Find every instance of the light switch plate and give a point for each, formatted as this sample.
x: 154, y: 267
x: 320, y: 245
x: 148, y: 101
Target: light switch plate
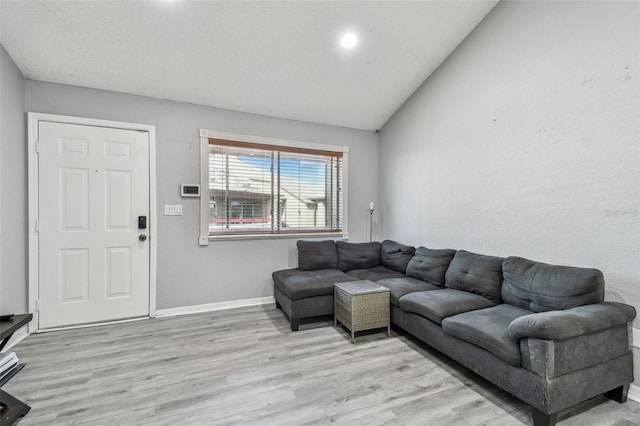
x: 173, y: 209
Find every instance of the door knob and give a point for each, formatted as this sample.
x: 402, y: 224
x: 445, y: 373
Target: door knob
x: 142, y: 237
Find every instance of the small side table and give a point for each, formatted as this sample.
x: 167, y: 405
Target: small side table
x: 11, y: 408
x: 361, y: 305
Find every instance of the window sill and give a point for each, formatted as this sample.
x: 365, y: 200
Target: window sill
x: 341, y: 235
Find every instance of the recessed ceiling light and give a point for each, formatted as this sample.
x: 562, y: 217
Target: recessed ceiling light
x: 349, y: 40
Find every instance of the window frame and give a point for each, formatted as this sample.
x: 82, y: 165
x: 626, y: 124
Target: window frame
x: 205, y: 135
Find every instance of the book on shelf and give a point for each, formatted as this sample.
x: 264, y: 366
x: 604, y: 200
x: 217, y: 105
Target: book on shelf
x: 7, y: 357
x: 8, y: 361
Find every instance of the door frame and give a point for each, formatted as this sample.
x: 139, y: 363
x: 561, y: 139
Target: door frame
x: 34, y: 118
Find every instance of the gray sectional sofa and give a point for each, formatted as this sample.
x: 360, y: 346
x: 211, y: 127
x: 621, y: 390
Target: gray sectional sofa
x: 541, y: 332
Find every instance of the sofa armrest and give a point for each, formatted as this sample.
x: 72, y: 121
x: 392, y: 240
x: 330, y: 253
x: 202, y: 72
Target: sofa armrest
x: 562, y: 325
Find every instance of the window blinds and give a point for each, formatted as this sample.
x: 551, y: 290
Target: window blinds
x: 269, y: 189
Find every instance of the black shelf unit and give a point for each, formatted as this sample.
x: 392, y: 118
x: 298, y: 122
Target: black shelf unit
x: 11, y: 408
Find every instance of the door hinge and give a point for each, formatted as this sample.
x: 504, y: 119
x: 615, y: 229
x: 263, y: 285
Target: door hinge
x: 38, y: 305
x: 37, y: 226
x: 37, y: 147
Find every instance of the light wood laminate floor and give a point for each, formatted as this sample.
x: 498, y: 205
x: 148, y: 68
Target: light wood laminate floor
x: 244, y: 366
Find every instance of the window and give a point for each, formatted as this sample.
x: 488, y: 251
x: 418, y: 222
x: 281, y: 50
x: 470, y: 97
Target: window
x: 272, y: 187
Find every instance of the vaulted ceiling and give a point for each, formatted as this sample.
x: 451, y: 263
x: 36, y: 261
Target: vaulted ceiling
x: 274, y: 58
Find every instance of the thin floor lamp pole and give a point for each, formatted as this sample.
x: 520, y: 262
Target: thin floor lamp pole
x: 371, y: 221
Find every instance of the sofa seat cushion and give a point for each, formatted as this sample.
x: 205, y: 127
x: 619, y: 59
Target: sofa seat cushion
x: 374, y: 274
x: 487, y: 328
x: 475, y: 273
x: 405, y: 285
x: 436, y: 305
x: 297, y: 284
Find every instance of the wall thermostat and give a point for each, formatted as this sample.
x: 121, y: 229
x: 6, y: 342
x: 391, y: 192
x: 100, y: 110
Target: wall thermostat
x: 189, y: 190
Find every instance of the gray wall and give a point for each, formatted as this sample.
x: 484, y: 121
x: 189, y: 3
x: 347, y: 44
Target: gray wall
x: 226, y: 270
x: 13, y: 188
x: 526, y: 142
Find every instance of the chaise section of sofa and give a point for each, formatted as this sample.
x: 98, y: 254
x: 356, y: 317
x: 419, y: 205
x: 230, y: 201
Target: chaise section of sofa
x: 307, y: 291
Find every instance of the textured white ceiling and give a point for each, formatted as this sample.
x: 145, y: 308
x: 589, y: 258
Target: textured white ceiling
x: 273, y: 58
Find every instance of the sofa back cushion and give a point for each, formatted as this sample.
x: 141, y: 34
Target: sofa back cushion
x: 475, y: 273
x: 430, y: 265
x: 541, y: 287
x: 314, y: 255
x: 395, y: 256
x: 358, y: 255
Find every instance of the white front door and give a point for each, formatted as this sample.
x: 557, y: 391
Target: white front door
x: 93, y: 187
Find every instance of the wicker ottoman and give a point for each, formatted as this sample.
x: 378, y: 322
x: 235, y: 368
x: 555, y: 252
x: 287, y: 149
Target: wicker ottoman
x: 361, y: 305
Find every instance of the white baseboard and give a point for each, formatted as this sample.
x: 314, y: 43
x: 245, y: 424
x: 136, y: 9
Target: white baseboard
x: 209, y: 307
x: 634, y: 393
x: 17, y: 337
x: 634, y: 390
